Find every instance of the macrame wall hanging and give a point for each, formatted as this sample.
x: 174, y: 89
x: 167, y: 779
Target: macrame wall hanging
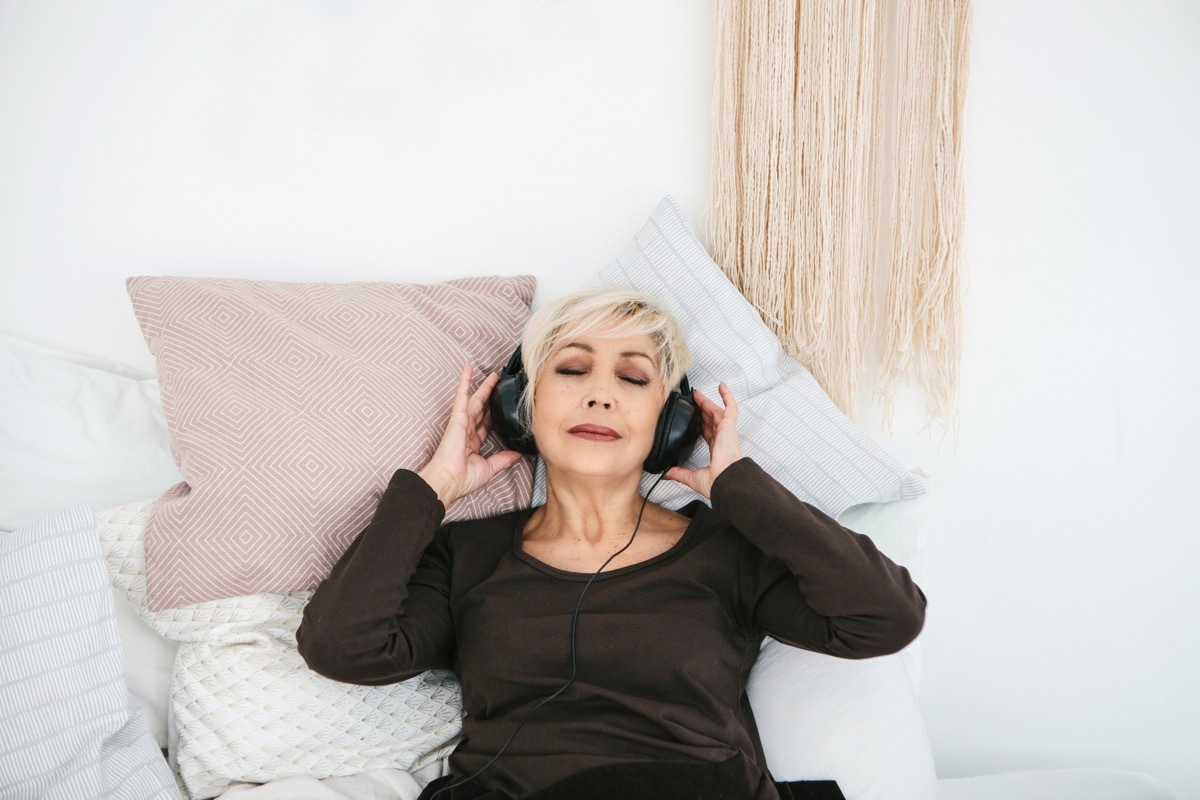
x: 837, y: 186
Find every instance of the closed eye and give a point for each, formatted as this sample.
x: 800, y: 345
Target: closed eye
x: 626, y: 378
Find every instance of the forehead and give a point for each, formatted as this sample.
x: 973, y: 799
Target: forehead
x: 640, y: 347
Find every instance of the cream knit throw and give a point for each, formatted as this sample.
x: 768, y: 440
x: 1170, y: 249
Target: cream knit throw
x: 815, y: 104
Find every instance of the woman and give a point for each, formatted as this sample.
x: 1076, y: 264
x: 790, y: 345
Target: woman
x: 612, y: 636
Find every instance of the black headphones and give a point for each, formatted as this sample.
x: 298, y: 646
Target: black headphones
x: 677, y: 430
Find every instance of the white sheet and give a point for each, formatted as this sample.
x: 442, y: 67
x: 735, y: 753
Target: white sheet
x: 1060, y: 784
x: 377, y: 784
x: 1054, y: 784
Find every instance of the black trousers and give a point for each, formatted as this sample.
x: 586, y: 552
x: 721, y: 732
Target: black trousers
x: 654, y: 781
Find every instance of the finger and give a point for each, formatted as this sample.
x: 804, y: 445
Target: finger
x: 681, y: 475
x: 462, y: 392
x: 727, y: 396
x: 502, y: 460
x: 710, y: 418
x: 486, y: 420
x: 674, y: 474
x: 718, y: 410
x: 482, y: 430
x: 475, y: 438
x: 484, y: 389
x: 458, y: 425
x: 709, y: 411
x: 477, y: 397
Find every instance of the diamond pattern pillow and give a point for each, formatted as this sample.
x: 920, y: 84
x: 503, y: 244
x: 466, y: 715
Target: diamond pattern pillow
x: 289, y: 405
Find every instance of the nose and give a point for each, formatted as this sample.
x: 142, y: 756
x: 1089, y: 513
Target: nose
x: 599, y: 391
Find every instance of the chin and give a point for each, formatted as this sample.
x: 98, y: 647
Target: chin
x: 596, y: 465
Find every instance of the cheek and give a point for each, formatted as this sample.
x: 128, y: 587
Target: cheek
x: 648, y: 414
x: 547, y: 406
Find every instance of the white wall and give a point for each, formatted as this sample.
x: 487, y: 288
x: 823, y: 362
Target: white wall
x: 333, y: 141
x: 1066, y: 548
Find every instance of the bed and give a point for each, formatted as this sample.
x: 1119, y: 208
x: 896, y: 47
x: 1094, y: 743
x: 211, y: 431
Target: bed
x: 150, y: 603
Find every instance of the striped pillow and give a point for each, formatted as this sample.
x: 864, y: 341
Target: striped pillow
x: 786, y: 423
x: 289, y: 407
x: 68, y: 726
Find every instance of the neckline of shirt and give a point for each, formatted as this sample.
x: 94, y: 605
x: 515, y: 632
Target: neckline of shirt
x: 674, y: 550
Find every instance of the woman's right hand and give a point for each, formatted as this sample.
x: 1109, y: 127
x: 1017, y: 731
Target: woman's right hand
x: 457, y: 468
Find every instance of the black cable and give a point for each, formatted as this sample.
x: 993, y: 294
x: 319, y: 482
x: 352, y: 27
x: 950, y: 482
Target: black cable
x: 574, y: 626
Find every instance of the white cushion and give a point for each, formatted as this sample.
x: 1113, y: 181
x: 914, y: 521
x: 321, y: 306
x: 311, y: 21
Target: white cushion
x: 68, y: 727
x: 76, y: 430
x: 244, y: 708
x: 856, y: 722
x: 898, y: 530
x: 148, y: 655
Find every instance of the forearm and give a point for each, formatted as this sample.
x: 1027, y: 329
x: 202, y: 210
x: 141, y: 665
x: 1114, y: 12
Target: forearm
x: 375, y: 618
x: 839, y: 594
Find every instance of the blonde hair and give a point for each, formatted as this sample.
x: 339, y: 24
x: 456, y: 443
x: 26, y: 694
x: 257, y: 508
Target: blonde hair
x: 606, y: 311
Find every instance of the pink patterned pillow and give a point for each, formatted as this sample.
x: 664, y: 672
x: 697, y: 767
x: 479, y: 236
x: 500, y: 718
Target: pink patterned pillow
x: 290, y: 405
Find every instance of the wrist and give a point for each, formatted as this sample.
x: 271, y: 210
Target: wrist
x: 724, y: 464
x: 439, y: 485
x: 725, y: 470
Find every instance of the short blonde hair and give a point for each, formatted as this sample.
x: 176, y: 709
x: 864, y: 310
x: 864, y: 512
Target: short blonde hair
x: 617, y: 312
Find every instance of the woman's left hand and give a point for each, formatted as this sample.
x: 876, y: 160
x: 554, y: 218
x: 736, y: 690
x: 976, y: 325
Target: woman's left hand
x: 718, y: 426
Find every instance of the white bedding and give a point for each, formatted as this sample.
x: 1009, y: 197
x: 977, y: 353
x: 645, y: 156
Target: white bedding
x: 376, y: 784
x: 1055, y: 784
x: 242, y: 703
x: 842, y: 733
x: 884, y: 730
x: 1066, y: 784
x: 864, y: 720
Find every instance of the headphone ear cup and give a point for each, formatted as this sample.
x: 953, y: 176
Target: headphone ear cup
x: 506, y: 420
x: 677, y: 430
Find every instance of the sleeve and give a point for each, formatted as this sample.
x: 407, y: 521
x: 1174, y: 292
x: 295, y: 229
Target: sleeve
x: 383, y: 614
x: 808, y: 581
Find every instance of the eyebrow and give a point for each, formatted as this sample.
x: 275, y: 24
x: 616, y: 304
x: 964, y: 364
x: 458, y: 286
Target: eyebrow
x: 625, y: 354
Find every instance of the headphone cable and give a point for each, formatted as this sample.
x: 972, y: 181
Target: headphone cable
x: 574, y: 665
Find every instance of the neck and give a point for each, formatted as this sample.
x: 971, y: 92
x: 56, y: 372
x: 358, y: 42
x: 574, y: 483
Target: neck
x: 595, y: 510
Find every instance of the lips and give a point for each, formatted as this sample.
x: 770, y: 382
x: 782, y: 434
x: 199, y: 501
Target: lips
x: 597, y: 433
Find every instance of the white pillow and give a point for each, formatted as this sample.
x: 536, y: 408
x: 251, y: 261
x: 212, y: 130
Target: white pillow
x: 68, y: 727
x: 244, y: 708
x: 149, y: 656
x: 898, y: 530
x: 856, y: 722
x: 74, y: 429
x: 787, y: 423
x: 853, y: 721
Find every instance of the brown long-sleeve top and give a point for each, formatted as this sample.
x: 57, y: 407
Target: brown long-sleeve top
x: 664, y: 646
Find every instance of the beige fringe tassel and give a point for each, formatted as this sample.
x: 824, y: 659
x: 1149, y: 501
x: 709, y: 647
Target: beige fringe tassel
x: 798, y: 155
x: 923, y: 309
